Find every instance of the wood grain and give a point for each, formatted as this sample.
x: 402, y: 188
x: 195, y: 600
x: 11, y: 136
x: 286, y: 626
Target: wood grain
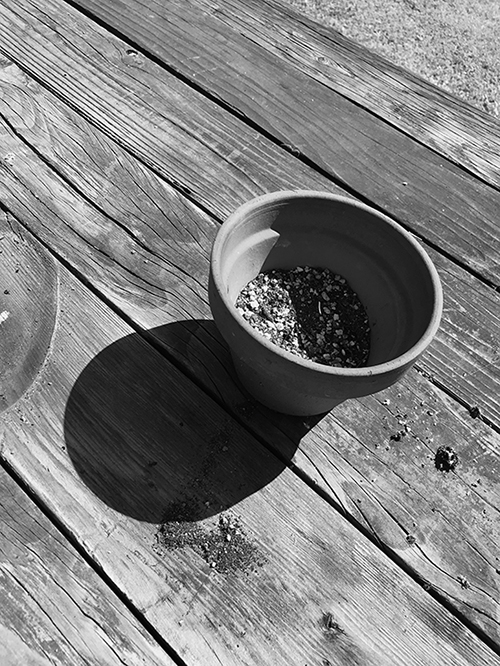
x: 55, y: 608
x: 132, y: 244
x: 164, y: 241
x: 390, y: 169
x: 256, y: 168
x: 183, y: 136
x: 112, y: 434
x: 453, y: 128
x: 28, y: 298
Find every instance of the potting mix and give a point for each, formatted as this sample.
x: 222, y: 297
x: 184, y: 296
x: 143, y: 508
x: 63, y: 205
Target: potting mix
x: 308, y: 311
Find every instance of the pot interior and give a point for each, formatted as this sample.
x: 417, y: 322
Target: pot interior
x: 390, y: 273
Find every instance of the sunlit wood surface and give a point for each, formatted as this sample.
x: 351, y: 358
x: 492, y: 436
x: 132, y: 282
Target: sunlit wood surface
x: 130, y: 129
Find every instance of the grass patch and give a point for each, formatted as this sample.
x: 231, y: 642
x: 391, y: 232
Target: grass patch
x: 451, y: 43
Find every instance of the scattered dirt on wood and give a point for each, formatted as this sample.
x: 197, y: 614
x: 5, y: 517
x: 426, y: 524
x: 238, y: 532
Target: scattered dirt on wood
x: 310, y: 312
x: 446, y: 459
x: 224, y: 545
x: 179, y: 530
x: 226, y: 548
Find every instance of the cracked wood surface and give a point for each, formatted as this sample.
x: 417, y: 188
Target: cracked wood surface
x: 28, y: 298
x: 404, y: 177
x: 453, y: 128
x: 143, y: 249
x: 181, y: 131
x: 111, y: 437
x: 55, y: 609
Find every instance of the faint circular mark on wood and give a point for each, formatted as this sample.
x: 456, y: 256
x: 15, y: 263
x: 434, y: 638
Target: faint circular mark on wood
x: 28, y: 307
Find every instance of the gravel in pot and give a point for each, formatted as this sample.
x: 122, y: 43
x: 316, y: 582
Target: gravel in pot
x: 308, y: 311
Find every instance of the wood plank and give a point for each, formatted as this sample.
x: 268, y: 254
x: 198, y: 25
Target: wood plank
x: 386, y: 167
x: 136, y: 219
x: 27, y: 308
x: 55, y: 608
x: 452, y: 127
x: 111, y: 437
x: 465, y: 357
x: 181, y: 135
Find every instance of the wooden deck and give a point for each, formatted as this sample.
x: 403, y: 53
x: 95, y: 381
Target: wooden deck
x: 152, y: 513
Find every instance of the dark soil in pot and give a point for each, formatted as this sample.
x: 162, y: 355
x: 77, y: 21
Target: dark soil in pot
x: 311, y: 312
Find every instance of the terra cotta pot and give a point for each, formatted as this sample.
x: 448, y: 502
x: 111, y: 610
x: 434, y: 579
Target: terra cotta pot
x: 388, y: 269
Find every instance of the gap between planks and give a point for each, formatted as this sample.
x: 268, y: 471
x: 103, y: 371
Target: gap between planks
x: 44, y: 462
x: 100, y: 294
x: 160, y: 44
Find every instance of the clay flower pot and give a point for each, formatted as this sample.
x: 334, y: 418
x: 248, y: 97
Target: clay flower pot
x: 391, y: 273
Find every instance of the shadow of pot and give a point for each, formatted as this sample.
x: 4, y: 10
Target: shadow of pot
x: 391, y: 273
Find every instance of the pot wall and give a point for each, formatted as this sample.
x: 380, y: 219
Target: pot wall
x: 391, y: 273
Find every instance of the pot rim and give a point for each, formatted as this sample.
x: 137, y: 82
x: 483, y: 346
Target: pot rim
x: 403, y: 360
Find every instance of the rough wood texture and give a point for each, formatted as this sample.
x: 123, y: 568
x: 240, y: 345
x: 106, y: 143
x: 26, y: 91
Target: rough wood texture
x: 453, y: 128
x: 179, y: 133
x: 140, y: 255
x: 28, y: 295
x: 111, y: 436
x: 135, y: 246
x: 55, y: 608
x: 133, y: 422
x: 408, y: 180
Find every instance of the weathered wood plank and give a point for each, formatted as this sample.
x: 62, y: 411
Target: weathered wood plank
x: 256, y: 169
x: 111, y: 437
x: 409, y: 181
x: 27, y: 317
x: 452, y: 127
x: 173, y: 129
x: 144, y: 235
x: 377, y: 457
x: 140, y: 255
x: 55, y: 608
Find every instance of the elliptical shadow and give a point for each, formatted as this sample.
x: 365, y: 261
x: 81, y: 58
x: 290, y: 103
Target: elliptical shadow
x: 152, y: 445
